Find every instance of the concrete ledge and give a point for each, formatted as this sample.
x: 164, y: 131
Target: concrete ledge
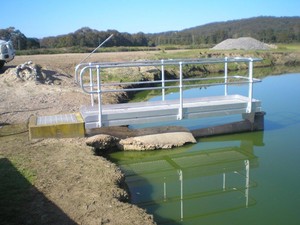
x: 57, y: 130
x: 234, y: 127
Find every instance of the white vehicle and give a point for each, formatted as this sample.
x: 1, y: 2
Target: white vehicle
x: 7, y: 52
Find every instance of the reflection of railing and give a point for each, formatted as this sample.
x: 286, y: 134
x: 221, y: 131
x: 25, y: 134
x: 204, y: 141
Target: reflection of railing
x: 224, y: 186
x: 184, y: 182
x: 88, y: 75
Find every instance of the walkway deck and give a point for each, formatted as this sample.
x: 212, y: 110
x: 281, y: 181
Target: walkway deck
x: 168, y: 110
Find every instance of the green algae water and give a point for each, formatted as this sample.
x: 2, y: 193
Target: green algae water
x: 249, y: 178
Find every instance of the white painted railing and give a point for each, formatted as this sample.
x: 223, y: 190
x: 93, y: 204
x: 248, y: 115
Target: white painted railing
x: 88, y: 75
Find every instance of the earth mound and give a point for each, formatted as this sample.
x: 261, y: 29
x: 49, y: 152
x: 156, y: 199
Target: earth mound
x: 30, y: 71
x: 245, y: 43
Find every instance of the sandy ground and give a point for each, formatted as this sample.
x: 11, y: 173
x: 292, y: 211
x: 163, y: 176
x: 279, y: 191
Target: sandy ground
x: 19, y: 100
x: 70, y: 185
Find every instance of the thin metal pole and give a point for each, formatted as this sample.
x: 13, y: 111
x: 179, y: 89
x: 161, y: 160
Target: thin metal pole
x: 96, y: 48
x: 180, y: 93
x: 163, y: 79
x: 91, y: 84
x: 99, y: 97
x: 226, y: 76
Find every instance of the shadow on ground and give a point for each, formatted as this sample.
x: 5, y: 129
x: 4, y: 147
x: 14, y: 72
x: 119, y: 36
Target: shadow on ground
x: 16, y: 200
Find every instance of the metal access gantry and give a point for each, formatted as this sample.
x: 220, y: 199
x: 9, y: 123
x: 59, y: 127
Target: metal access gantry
x: 88, y: 76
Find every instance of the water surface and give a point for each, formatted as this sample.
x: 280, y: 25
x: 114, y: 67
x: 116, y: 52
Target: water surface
x: 250, y: 178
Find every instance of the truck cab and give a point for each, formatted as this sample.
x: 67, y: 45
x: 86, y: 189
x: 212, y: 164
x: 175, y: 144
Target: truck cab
x: 7, y: 52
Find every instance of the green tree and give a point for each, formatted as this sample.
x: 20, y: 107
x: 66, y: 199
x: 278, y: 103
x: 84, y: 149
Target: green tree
x: 18, y: 39
x: 32, y: 43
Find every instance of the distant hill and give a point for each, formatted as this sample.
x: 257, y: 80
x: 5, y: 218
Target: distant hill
x: 266, y: 29
x: 248, y: 26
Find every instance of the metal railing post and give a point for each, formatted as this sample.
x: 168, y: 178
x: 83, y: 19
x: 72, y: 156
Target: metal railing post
x: 180, y: 113
x: 91, y: 84
x: 163, y: 79
x: 76, y: 73
x: 226, y: 76
x: 250, y: 94
x: 99, y: 97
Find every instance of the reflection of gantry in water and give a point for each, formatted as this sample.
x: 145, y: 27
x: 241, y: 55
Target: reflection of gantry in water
x: 193, y: 183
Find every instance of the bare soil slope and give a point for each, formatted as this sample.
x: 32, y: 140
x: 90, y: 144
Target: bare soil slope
x: 20, y: 99
x: 70, y: 184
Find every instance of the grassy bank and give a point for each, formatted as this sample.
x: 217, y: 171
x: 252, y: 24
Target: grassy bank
x: 273, y: 60
x: 162, y: 48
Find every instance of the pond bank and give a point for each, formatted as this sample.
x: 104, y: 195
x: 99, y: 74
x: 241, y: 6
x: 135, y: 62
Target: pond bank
x: 60, y: 181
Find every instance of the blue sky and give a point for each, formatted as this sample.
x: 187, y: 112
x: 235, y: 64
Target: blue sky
x: 43, y: 18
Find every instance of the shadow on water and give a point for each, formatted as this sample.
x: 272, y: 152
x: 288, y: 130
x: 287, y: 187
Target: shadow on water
x: 188, y: 184
x: 282, y: 120
x: 22, y: 203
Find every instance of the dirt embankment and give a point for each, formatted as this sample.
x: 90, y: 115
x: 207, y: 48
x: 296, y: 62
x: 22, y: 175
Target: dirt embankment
x: 69, y: 184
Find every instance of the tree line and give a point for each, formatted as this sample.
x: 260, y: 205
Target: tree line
x: 87, y: 37
x: 265, y: 29
x: 19, y: 40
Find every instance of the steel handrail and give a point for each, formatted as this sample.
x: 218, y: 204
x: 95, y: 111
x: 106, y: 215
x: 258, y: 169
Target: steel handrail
x: 96, y: 88
x: 163, y: 62
x: 165, y: 87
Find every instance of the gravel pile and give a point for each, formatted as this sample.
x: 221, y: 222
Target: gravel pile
x: 246, y: 43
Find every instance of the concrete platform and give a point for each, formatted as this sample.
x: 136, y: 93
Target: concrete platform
x: 56, y: 126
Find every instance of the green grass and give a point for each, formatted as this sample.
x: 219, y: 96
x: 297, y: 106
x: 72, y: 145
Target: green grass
x: 289, y: 47
x: 191, y: 51
x: 79, y: 49
x: 187, y: 53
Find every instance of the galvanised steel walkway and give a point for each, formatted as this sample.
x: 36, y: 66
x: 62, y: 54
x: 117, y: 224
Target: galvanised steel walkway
x: 89, y: 76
